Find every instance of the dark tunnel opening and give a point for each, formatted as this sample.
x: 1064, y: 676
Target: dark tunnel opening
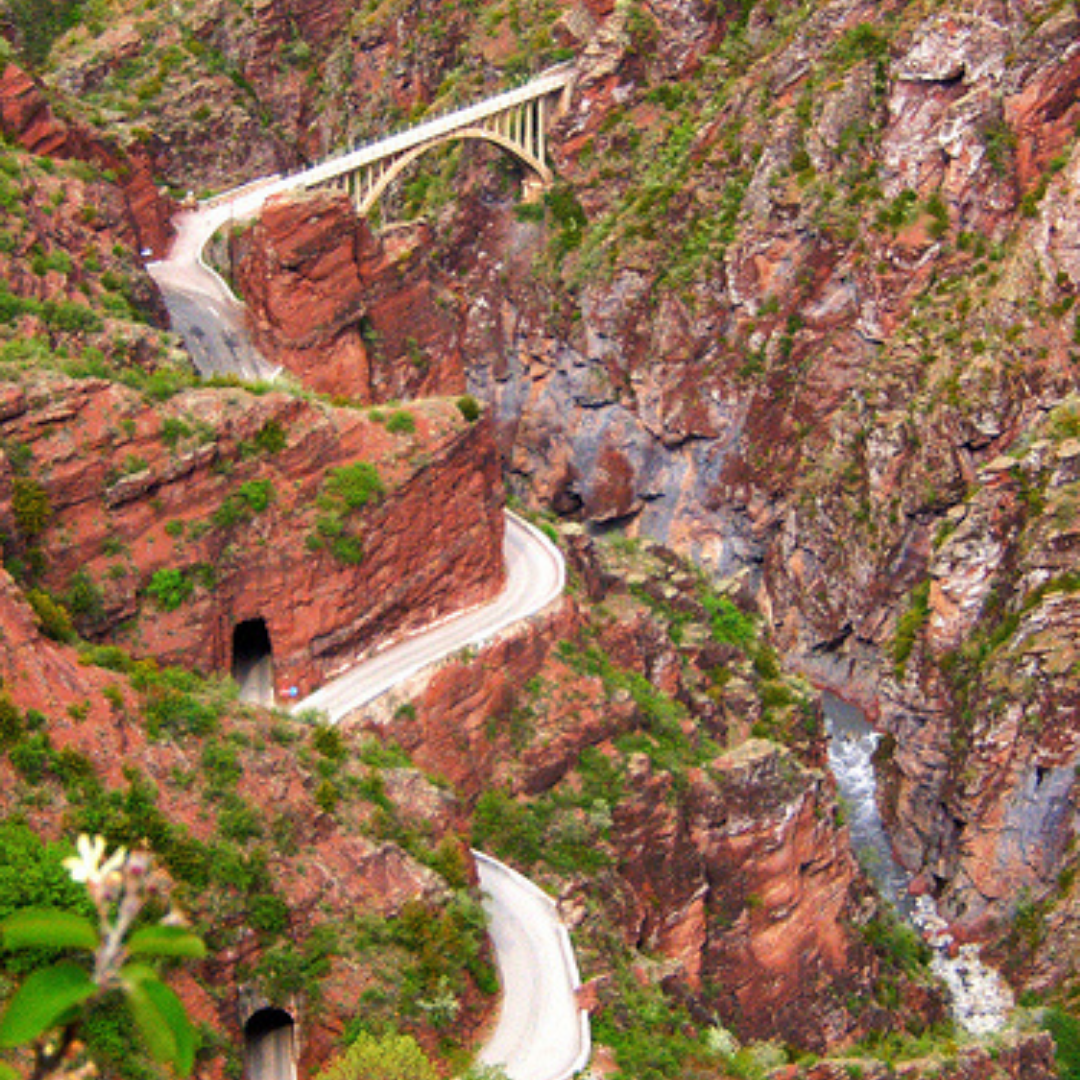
x: 268, y: 1045
x: 253, y: 661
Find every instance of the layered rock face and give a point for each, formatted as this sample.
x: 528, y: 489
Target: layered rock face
x: 185, y: 519
x: 27, y: 120
x: 731, y: 875
x: 753, y: 889
x: 348, y: 313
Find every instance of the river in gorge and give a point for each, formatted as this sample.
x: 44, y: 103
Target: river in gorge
x: 980, y: 999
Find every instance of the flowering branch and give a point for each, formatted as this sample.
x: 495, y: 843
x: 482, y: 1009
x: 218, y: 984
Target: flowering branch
x: 59, y: 996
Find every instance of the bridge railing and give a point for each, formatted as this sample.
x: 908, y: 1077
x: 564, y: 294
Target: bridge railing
x: 247, y: 199
x: 373, y: 150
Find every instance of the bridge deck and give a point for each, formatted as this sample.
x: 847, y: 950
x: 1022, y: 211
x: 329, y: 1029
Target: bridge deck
x: 426, y: 131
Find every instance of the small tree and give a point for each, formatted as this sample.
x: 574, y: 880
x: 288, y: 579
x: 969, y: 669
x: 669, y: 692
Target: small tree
x: 381, y: 1057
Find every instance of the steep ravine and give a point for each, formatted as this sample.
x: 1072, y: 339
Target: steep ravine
x: 818, y: 395
x: 979, y: 998
x: 804, y: 308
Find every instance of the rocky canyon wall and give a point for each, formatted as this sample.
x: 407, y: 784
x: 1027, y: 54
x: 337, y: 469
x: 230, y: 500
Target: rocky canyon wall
x: 180, y: 520
x: 584, y: 746
x: 788, y: 318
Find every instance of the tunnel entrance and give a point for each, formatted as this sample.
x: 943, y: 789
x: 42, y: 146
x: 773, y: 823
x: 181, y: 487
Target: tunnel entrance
x: 253, y: 662
x: 268, y: 1046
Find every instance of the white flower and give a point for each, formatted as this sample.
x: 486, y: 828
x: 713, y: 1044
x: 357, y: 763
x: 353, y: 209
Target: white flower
x: 86, y: 866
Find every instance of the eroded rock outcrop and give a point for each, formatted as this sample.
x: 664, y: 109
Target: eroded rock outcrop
x: 751, y: 886
x: 27, y: 119
x: 303, y: 292
x: 348, y: 312
x: 229, y: 503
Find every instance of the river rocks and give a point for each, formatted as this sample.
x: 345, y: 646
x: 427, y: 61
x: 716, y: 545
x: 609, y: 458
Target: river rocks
x: 979, y: 998
x: 138, y: 493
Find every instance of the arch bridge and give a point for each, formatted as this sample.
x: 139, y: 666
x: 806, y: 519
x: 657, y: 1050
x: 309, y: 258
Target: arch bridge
x: 516, y: 120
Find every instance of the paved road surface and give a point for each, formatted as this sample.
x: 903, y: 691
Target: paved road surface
x: 535, y: 576
x: 541, y: 1033
x: 202, y: 307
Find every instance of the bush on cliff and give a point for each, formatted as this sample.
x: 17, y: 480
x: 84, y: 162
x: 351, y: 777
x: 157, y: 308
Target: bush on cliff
x: 355, y: 485
x: 170, y: 588
x: 469, y: 408
x: 385, y: 1057
x: 1065, y: 1029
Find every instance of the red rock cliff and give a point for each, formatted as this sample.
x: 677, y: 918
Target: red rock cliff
x: 231, y: 492
x: 346, y: 311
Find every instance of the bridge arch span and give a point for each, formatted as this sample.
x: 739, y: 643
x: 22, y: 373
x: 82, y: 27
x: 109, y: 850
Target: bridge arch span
x: 369, y: 196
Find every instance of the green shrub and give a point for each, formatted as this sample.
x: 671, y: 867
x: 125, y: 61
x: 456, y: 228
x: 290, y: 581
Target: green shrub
x: 384, y: 755
x: 258, y: 494
x: 231, y: 512
x: 909, y: 626
x: 53, y: 618
x: 69, y: 317
x: 469, y: 407
x: 170, y: 588
x: 173, y: 430
x: 899, y: 944
x: 12, y: 725
x: 268, y: 913
x: 508, y: 827
x: 401, y: 422
x: 861, y: 42
x: 271, y: 438
x: 40, y: 22
x: 84, y: 598
x: 1065, y: 1029
x: 355, y: 485
x: 727, y: 622
x: 221, y: 765
x: 327, y: 796
x: 347, y: 549
x: 31, y: 757
x: 58, y: 261
x: 569, y: 218
x: 532, y: 212
x: 239, y: 821
x: 327, y: 741
x: 30, y: 505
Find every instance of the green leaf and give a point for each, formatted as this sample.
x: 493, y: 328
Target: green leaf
x: 35, y: 927
x: 8, y: 1073
x: 166, y: 941
x: 160, y: 1018
x: 42, y: 1000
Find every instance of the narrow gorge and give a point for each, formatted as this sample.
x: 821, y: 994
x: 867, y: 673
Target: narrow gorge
x: 764, y: 313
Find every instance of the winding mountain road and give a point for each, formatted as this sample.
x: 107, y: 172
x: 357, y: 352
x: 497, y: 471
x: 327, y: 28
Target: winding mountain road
x: 541, y: 1033
x: 535, y: 577
x: 202, y: 307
